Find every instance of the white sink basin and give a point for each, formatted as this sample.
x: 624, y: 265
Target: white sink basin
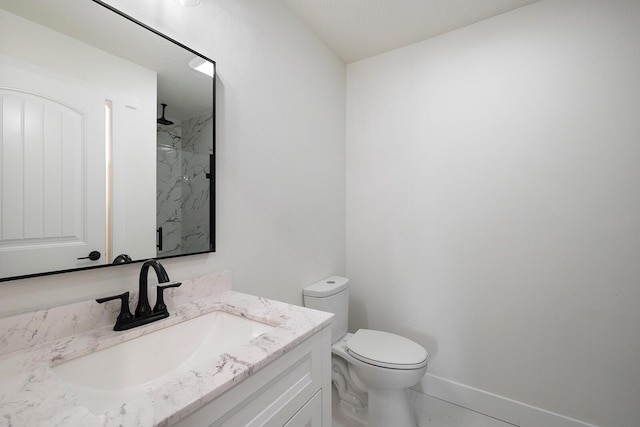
x: 108, y: 378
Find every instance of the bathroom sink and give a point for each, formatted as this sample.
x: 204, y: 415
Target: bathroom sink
x: 108, y: 378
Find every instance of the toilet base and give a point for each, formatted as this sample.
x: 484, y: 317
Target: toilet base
x: 390, y: 408
x: 351, y: 401
x: 373, y: 408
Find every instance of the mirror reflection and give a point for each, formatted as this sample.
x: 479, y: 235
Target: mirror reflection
x: 106, y: 141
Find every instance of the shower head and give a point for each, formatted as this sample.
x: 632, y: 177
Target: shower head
x: 162, y: 120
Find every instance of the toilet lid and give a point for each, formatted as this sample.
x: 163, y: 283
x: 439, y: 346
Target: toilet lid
x: 386, y: 350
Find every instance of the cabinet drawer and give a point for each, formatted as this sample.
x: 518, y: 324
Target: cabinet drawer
x: 310, y: 415
x: 271, y: 396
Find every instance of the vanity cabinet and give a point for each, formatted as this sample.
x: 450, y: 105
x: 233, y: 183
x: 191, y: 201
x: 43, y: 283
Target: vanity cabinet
x: 293, y: 391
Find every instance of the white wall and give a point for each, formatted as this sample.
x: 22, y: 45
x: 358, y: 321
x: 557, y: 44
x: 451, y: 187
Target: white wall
x: 493, y: 210
x: 280, y: 150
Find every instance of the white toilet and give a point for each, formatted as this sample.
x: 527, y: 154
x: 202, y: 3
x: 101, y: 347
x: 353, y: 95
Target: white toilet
x: 371, y: 370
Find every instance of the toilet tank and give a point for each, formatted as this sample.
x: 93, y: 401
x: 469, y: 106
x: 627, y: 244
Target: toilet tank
x: 332, y: 295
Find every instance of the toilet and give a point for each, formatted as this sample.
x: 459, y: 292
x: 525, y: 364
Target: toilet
x: 371, y: 370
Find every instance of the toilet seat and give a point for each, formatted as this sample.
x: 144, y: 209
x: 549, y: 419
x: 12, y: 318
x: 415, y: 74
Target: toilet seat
x: 386, y: 350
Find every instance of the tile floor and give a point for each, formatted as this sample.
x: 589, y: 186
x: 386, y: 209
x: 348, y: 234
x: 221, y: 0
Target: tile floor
x: 432, y: 412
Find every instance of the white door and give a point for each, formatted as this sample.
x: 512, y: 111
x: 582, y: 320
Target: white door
x: 52, y: 171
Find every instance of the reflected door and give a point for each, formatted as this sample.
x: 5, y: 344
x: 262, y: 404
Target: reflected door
x: 52, y: 134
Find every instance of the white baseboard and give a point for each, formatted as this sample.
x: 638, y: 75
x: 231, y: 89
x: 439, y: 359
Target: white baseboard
x: 502, y: 408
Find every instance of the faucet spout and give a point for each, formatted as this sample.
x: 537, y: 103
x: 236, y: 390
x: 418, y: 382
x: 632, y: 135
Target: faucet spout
x: 143, y: 308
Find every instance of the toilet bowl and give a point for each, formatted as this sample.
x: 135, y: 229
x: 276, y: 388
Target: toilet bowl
x: 371, y: 370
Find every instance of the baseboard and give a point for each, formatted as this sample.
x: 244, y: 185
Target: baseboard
x: 502, y: 408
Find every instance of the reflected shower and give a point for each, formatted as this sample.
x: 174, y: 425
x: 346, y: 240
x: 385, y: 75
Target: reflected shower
x: 162, y: 120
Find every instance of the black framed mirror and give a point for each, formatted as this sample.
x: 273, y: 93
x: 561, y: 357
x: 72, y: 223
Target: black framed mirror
x: 107, y: 140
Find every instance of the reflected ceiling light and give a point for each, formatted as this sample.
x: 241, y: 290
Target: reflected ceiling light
x: 202, y: 65
x: 189, y: 3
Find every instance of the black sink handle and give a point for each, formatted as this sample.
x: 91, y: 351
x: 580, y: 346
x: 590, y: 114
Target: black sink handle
x: 160, y: 306
x: 125, y: 314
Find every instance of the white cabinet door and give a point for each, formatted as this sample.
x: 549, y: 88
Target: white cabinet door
x: 52, y: 171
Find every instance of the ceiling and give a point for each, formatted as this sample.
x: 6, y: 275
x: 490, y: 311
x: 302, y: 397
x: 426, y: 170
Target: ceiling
x: 186, y: 91
x: 357, y: 29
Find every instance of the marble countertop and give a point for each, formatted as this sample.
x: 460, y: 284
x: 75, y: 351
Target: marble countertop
x: 32, y: 395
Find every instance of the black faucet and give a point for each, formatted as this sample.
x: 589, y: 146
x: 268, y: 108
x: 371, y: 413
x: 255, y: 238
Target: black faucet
x: 122, y: 259
x: 143, y: 314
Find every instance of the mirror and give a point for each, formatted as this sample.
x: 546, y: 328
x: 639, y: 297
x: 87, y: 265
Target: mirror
x: 107, y: 136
